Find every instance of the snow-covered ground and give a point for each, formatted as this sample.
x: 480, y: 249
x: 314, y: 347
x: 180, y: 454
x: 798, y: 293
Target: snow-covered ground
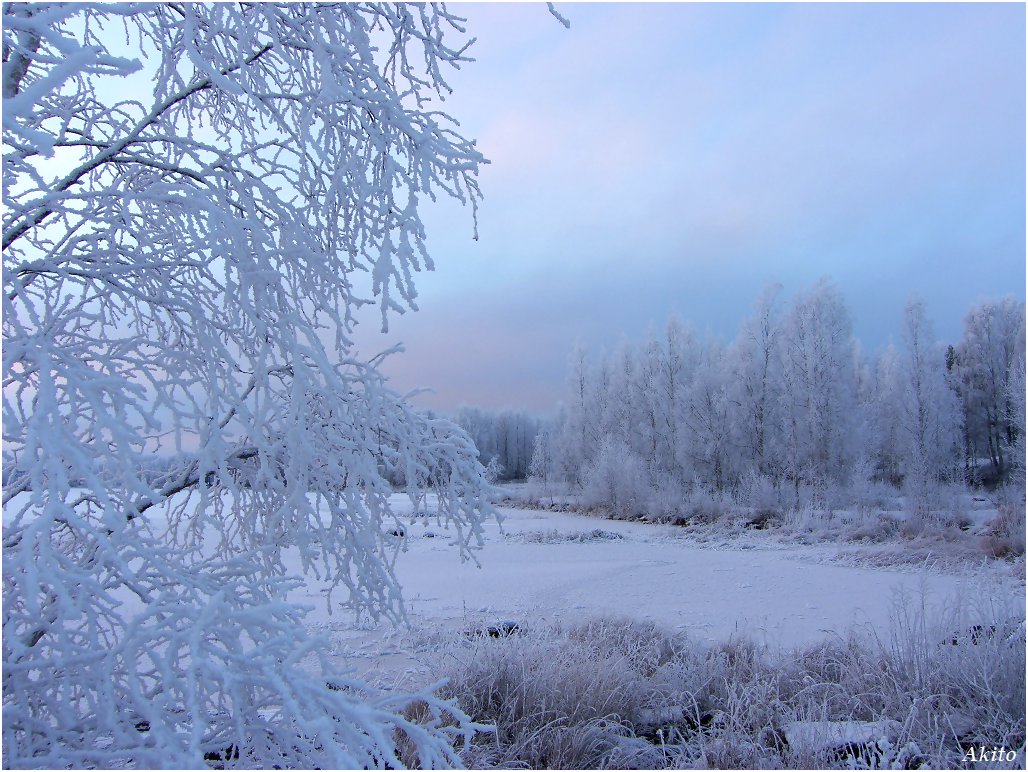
x: 547, y: 567
x: 542, y: 567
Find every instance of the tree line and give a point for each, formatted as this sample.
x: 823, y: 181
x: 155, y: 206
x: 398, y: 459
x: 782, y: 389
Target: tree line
x: 793, y: 404
x: 505, y: 439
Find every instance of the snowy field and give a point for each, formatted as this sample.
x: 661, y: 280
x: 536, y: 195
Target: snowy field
x: 542, y: 568
x: 595, y: 603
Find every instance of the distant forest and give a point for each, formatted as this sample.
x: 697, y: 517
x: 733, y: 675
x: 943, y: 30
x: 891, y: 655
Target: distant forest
x: 791, y: 403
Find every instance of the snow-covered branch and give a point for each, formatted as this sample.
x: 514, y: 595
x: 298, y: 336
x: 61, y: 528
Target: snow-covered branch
x: 199, y: 200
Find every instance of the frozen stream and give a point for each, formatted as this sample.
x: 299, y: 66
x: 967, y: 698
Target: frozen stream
x: 536, y: 573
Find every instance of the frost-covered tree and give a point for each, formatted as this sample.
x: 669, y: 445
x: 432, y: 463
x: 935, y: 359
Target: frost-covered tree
x: 883, y: 406
x: 616, y: 478
x: 645, y: 397
x: 543, y: 468
x: 507, y: 435
x: 1015, y: 409
x: 199, y: 200
x: 929, y: 413
x: 708, y: 418
x: 792, y: 402
x: 676, y: 365
x: 754, y: 364
x: 821, y: 439
x: 620, y: 414
x: 986, y: 359
x: 578, y: 437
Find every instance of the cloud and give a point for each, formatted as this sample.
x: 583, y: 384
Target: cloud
x: 676, y: 157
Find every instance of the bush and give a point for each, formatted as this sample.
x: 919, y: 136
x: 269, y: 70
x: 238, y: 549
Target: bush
x: 553, y: 536
x: 873, y: 527
x: 934, y: 507
x: 758, y: 492
x: 809, y: 519
x: 617, y: 480
x: 704, y: 506
x: 1005, y: 536
x: 668, y: 493
x: 556, y: 700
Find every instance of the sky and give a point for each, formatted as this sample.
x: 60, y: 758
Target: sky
x: 659, y: 159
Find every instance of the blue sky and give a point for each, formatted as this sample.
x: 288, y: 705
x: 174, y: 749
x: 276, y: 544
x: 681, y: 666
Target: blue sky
x: 674, y: 158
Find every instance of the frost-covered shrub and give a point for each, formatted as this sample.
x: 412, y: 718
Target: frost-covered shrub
x: 1005, y: 534
x: 704, y: 506
x: 872, y: 526
x: 805, y: 494
x: 810, y: 519
x: 493, y: 470
x: 616, y: 479
x: 866, y: 494
x: 556, y: 701
x: 667, y: 496
x: 920, y: 496
x: 955, y: 506
x: 934, y: 508
x: 553, y: 536
x: 758, y: 492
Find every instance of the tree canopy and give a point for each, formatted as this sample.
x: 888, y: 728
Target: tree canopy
x: 200, y: 199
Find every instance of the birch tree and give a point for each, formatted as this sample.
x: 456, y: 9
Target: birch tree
x: 884, y: 407
x: 708, y: 419
x: 201, y: 200
x: 929, y: 415
x: 755, y: 373
x: 677, y: 364
x: 821, y: 438
x: 988, y: 355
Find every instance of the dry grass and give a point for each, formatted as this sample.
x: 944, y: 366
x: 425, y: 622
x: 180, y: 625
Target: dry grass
x: 1005, y: 536
x: 613, y: 694
x: 946, y: 530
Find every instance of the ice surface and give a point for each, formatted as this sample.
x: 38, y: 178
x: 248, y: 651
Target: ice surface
x: 780, y: 596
